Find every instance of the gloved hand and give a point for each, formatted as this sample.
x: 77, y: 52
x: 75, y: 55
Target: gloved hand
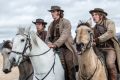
x: 97, y: 40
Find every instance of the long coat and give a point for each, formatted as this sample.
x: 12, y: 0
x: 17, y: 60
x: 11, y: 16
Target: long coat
x: 65, y: 37
x: 111, y: 34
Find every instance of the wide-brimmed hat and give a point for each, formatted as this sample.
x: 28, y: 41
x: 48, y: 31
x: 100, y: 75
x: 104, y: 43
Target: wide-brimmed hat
x: 56, y: 8
x: 39, y: 21
x: 98, y: 10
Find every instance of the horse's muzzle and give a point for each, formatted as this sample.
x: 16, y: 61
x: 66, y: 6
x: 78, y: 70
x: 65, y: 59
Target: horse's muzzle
x: 6, y: 71
x: 79, y: 47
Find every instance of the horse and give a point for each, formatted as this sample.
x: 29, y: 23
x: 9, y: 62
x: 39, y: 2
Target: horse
x: 25, y: 68
x: 46, y: 64
x: 90, y: 66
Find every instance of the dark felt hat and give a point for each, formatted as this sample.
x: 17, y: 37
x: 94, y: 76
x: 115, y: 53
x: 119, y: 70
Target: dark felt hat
x: 98, y: 10
x: 39, y: 21
x: 56, y: 8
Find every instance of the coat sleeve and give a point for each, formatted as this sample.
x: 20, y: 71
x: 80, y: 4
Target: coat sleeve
x: 110, y: 32
x: 64, y: 34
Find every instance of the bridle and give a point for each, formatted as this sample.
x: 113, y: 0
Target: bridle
x: 89, y: 45
x: 28, y: 45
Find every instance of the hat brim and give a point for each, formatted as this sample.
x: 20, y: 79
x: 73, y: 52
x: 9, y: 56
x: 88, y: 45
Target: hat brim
x: 55, y: 9
x: 45, y: 23
x: 91, y: 11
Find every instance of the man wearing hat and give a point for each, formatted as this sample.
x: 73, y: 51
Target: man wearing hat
x: 59, y: 37
x: 40, y: 26
x: 104, y: 37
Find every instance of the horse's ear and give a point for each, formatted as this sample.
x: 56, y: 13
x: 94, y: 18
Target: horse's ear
x: 27, y: 30
x: 33, y: 36
x: 21, y: 30
x: 90, y: 22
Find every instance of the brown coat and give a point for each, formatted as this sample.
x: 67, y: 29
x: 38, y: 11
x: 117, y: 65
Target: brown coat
x: 65, y: 36
x: 111, y: 34
x: 42, y: 35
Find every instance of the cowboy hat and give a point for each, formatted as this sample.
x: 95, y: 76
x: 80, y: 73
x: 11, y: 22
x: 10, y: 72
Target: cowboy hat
x: 98, y: 10
x: 55, y: 8
x: 39, y: 21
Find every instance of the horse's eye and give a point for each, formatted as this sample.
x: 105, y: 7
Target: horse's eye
x: 8, y: 52
x: 89, y: 31
x: 22, y: 40
x: 75, y: 31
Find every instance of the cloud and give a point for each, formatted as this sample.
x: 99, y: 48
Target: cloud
x: 22, y: 12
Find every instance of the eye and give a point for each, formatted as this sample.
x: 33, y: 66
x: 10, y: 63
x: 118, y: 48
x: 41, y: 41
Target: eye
x: 8, y: 52
x: 75, y: 31
x: 22, y: 40
x: 89, y: 31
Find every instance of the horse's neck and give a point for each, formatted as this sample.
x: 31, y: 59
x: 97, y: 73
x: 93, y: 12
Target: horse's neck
x: 41, y: 46
x: 42, y: 63
x: 89, y: 54
x: 25, y: 70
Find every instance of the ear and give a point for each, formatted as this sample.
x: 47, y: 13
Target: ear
x: 27, y: 30
x: 90, y: 22
x: 1, y: 46
x: 33, y: 37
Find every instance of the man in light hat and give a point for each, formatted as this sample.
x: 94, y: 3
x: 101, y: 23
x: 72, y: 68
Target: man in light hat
x: 104, y: 37
x: 40, y: 26
x: 59, y: 37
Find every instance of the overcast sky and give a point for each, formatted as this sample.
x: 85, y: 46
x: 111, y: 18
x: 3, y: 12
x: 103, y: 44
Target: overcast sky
x: 14, y: 13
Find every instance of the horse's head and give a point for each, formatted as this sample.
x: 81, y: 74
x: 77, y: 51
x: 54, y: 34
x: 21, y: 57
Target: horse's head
x: 21, y: 45
x: 83, y: 36
x: 5, y: 51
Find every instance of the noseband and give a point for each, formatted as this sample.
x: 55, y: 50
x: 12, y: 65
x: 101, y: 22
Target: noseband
x: 89, y: 45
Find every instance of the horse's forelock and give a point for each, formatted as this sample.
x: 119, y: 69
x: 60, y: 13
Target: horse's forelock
x: 83, y: 24
x: 7, y: 44
x: 21, y: 30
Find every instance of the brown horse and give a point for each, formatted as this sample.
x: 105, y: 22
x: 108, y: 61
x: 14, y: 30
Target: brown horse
x: 90, y: 66
x: 25, y: 68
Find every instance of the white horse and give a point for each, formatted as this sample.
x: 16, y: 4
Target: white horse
x: 46, y: 64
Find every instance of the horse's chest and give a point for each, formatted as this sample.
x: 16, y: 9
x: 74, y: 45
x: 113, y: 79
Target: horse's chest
x: 87, y: 63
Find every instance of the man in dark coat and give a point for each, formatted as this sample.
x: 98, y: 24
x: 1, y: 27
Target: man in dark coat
x: 40, y: 26
x: 59, y: 37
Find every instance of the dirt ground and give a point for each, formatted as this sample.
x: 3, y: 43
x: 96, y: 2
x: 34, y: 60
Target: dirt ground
x: 13, y: 75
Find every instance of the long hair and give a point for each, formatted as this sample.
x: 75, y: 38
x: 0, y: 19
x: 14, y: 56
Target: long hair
x: 61, y: 14
x: 102, y: 15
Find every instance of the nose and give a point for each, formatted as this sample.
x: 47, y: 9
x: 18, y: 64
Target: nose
x: 6, y: 71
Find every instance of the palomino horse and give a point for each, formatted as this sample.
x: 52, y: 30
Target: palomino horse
x: 46, y: 63
x: 25, y: 68
x: 90, y: 66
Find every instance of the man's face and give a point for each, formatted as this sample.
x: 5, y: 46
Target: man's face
x: 39, y: 27
x: 55, y: 14
x: 96, y: 17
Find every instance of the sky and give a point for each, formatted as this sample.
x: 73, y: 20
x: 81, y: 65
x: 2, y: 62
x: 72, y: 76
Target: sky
x: 15, y: 13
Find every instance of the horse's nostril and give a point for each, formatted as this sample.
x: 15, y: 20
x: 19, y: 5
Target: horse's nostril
x: 6, y: 71
x: 81, y: 44
x: 13, y: 59
x: 78, y: 47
